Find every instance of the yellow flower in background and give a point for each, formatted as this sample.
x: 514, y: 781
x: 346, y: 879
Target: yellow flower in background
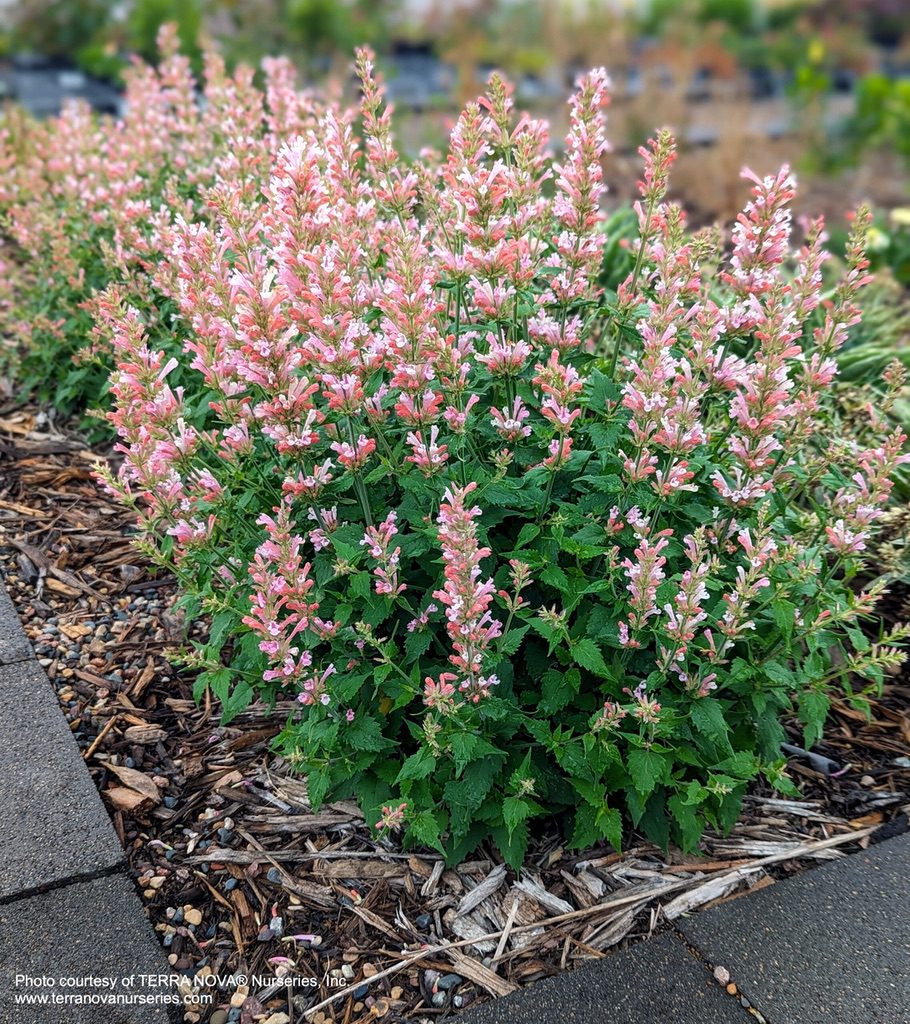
x: 877, y: 240
x: 900, y: 216
x: 816, y: 51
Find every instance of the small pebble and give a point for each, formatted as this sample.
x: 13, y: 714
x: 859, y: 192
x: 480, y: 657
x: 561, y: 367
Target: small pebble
x: 219, y: 1017
x: 193, y: 916
x: 867, y: 780
x: 722, y: 975
x: 361, y: 991
x: 448, y: 981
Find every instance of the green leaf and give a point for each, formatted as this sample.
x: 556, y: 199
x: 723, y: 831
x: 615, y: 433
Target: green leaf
x: 417, y: 643
x: 425, y: 828
x: 770, y: 734
x: 558, y: 689
x: 585, y: 832
x: 784, y: 616
x: 512, y: 844
x: 586, y: 653
x: 359, y: 585
x: 553, y: 576
x: 528, y: 532
x: 859, y: 639
x: 221, y: 625
x: 417, y: 766
x: 239, y: 699
x: 688, y: 823
x: 778, y: 673
x: 515, y: 810
x: 742, y: 765
x: 646, y: 768
x: 708, y: 718
x: 365, y: 733
x: 813, y: 710
x: 609, y: 824
x: 317, y: 785
x: 512, y: 640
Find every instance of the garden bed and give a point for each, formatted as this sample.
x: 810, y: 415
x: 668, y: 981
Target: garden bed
x: 240, y: 876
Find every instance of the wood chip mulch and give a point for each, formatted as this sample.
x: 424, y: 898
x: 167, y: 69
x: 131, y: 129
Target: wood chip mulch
x: 240, y: 877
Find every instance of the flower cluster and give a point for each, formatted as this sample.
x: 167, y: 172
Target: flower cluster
x: 519, y: 543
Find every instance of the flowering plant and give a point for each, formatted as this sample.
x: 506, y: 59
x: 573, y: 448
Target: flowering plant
x: 517, y: 544
x: 83, y: 199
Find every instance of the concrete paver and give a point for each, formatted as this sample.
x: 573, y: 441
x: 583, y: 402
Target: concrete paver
x: 830, y: 945
x: 654, y: 982
x: 69, y: 943
x: 54, y: 826
x: 14, y: 645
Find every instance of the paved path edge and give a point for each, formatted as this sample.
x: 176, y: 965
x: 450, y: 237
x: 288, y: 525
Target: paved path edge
x: 131, y: 924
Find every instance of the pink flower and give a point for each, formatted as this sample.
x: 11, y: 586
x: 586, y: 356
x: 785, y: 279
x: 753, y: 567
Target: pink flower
x: 378, y: 541
x: 644, y: 575
x: 428, y: 456
x: 354, y: 456
x: 466, y: 599
x: 391, y: 817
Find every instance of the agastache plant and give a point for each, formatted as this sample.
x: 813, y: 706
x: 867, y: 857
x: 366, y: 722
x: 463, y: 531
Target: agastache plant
x: 514, y: 542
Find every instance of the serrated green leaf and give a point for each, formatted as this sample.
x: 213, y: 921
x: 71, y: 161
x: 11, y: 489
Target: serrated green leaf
x: 515, y: 810
x: 608, y: 822
x: 784, y: 613
x: 646, y: 768
x: 417, y: 766
x: 558, y: 689
x: 688, y: 823
x: 239, y: 699
x: 425, y: 829
x: 416, y: 644
x: 586, y: 653
x: 527, y: 533
x: 365, y: 733
x: 555, y: 577
x: 708, y: 718
x: 813, y: 710
x: 512, y: 640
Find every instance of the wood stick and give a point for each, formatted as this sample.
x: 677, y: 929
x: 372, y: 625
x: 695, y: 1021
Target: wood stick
x: 99, y: 739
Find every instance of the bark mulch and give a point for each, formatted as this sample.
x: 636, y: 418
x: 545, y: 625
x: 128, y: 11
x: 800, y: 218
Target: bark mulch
x: 240, y: 877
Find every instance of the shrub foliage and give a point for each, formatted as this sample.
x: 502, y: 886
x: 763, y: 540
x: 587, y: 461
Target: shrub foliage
x: 518, y: 542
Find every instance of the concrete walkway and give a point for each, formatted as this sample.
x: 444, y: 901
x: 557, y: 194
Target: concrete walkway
x: 74, y: 938
x: 828, y: 946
